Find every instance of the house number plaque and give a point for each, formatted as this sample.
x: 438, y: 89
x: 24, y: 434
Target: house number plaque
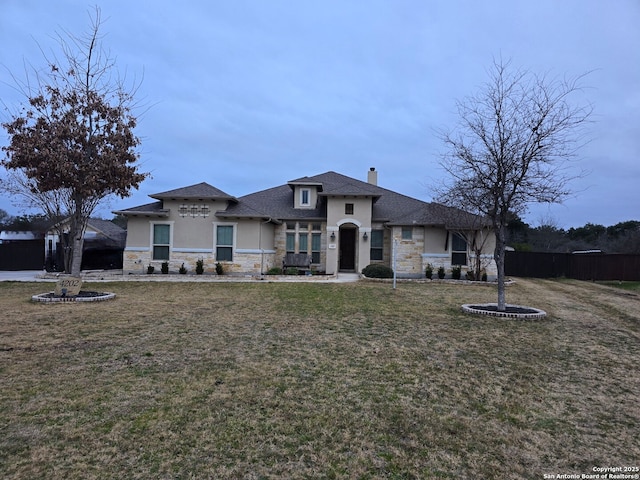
x: 68, y: 286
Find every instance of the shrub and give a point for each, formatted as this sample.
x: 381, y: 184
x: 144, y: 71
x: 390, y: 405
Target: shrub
x: 274, y: 271
x: 441, y: 272
x: 199, y: 267
x: 428, y: 271
x: 377, y: 270
x: 151, y: 269
x: 484, y: 276
x: 471, y: 275
x: 456, y: 272
x: 291, y: 271
x: 183, y: 269
x: 219, y: 268
x: 164, y: 268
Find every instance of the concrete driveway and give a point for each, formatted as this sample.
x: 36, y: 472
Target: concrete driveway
x: 23, y: 276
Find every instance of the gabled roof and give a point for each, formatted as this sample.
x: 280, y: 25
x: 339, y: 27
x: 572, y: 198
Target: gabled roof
x: 201, y: 191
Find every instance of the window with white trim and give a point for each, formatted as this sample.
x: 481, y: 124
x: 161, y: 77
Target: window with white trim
x: 377, y: 243
x: 458, y: 250
x: 224, y: 243
x: 407, y: 233
x: 305, y: 197
x: 161, y: 241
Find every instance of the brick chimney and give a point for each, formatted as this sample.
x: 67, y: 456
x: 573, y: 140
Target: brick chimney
x: 372, y: 176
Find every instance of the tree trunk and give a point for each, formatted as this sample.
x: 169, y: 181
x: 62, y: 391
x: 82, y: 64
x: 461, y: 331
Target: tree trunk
x: 76, y: 261
x: 499, y: 255
x: 78, y: 224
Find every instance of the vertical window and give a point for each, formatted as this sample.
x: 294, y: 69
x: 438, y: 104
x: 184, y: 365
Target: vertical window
x: 161, y: 241
x: 377, y: 242
x: 291, y: 243
x: 224, y: 243
x: 305, y: 197
x: 407, y: 233
x: 348, y: 208
x: 304, y: 242
x: 458, y: 250
x: 315, y: 247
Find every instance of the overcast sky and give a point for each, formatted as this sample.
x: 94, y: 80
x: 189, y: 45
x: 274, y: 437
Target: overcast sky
x: 247, y: 95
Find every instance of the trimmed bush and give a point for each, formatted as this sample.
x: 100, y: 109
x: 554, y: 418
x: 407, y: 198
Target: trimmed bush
x: 428, y: 271
x: 377, y: 270
x: 274, y: 271
x: 456, y: 272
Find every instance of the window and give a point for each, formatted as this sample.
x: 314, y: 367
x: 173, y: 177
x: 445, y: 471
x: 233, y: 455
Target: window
x: 224, y: 243
x: 458, y: 250
x: 315, y: 247
x: 304, y: 242
x: 377, y: 241
x: 348, y: 208
x: 407, y: 233
x: 305, y: 197
x: 161, y: 241
x: 291, y: 243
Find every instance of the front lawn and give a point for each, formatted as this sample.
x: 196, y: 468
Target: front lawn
x: 286, y: 380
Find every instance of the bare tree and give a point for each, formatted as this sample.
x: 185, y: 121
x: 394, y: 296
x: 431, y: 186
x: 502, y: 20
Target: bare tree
x: 511, y: 149
x: 73, y: 144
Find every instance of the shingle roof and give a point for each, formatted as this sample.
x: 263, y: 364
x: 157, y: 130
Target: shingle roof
x: 153, y: 209
x: 277, y: 203
x: 106, y: 227
x: 200, y: 190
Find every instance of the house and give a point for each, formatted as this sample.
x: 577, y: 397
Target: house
x: 104, y: 243
x: 343, y: 223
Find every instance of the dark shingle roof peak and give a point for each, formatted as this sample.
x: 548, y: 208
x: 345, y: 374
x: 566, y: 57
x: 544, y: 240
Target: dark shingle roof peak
x: 198, y: 191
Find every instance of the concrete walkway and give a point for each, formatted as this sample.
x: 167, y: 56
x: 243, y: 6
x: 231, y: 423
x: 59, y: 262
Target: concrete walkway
x: 111, y: 276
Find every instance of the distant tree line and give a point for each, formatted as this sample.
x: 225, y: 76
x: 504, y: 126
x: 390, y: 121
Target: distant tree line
x: 623, y: 237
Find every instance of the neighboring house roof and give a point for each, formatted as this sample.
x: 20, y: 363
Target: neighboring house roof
x: 277, y: 203
x: 105, y: 227
x: 107, y: 233
x: 200, y: 191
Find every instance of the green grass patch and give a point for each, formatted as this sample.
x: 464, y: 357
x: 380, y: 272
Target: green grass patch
x: 629, y: 286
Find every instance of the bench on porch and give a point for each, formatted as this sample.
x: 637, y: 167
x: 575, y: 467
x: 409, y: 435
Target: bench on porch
x: 296, y: 260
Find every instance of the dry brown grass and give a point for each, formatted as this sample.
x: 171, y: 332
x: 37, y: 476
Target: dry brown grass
x: 189, y: 380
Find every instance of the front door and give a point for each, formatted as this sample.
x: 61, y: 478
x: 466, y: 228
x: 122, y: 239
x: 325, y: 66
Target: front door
x: 347, y: 249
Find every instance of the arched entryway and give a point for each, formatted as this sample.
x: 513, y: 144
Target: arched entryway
x: 347, y: 248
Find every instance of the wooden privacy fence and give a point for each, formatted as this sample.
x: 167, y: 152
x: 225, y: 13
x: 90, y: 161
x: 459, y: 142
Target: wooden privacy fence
x: 22, y: 255
x: 592, y: 266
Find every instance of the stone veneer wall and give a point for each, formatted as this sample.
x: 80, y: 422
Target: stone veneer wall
x: 408, y: 260
x: 444, y: 260
x: 243, y: 262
